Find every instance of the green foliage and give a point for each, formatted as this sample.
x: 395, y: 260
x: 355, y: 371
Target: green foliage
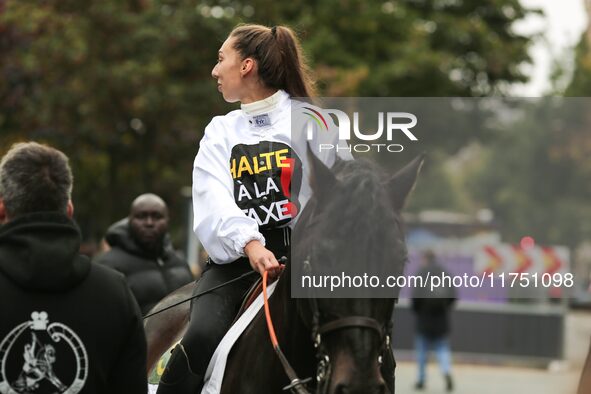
x: 124, y: 87
x: 580, y: 85
x: 532, y: 176
x: 408, y: 47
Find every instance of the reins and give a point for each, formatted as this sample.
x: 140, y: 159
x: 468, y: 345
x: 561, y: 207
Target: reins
x: 296, y: 384
x: 282, y: 260
x: 200, y: 294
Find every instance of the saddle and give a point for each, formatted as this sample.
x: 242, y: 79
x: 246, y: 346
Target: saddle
x: 251, y: 295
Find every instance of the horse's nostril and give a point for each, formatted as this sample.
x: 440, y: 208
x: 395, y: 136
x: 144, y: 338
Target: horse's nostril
x: 377, y: 389
x: 341, y: 389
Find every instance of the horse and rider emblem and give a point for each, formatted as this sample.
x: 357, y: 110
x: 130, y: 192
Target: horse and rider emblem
x: 39, y: 357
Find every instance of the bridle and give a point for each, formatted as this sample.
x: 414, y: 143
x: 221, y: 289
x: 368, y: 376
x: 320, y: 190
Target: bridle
x: 318, y: 331
x: 324, y: 368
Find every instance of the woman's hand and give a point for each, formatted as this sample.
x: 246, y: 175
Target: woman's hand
x: 262, y: 259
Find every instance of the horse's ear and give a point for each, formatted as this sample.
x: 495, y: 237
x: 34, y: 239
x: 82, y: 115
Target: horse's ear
x: 402, y: 183
x: 322, y: 179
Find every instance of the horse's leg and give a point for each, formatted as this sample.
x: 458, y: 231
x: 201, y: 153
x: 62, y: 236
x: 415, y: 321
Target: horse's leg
x: 166, y: 328
x: 211, y: 316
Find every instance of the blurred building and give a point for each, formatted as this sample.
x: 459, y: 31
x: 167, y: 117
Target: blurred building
x: 513, y: 297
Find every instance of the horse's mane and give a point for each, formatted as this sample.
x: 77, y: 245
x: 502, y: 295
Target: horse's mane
x: 358, y: 219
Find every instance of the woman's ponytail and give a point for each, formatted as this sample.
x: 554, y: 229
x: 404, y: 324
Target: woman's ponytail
x: 279, y: 56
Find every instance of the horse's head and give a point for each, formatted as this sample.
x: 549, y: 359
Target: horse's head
x: 352, y: 222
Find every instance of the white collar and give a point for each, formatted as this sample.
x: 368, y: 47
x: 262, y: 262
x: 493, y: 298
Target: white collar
x: 264, y: 112
x: 265, y: 105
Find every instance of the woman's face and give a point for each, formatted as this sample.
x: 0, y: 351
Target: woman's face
x: 227, y: 72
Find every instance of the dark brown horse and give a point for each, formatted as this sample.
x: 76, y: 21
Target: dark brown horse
x: 342, y: 344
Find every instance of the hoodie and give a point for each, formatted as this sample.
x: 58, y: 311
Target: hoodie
x: 53, y: 334
x: 31, y: 240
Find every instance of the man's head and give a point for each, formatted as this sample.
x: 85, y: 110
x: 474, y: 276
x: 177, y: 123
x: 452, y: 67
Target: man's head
x: 34, y: 178
x: 148, y: 222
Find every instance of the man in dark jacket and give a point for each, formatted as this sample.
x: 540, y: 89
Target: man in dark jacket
x: 66, y: 325
x: 432, y: 309
x: 141, y: 250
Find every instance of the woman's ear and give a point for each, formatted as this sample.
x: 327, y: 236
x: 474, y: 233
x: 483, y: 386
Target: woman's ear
x: 247, y: 66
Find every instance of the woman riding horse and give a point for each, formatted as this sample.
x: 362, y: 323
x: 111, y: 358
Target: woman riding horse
x: 352, y: 221
x: 245, y: 177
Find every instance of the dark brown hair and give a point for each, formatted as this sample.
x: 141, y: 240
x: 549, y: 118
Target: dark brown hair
x: 279, y: 56
x: 35, y: 178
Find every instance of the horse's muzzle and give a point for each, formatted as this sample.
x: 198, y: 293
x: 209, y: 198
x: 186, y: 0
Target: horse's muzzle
x: 379, y: 388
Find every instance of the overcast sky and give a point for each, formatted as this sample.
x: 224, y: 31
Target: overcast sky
x: 563, y: 24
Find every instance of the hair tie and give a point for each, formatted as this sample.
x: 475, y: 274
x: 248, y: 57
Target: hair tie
x: 274, y: 31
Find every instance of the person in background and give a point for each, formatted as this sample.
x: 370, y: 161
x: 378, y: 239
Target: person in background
x: 141, y: 250
x: 432, y: 312
x: 67, y: 325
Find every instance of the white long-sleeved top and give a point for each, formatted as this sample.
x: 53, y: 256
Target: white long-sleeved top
x: 249, y: 162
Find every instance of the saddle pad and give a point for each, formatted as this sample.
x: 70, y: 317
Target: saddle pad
x: 215, y: 370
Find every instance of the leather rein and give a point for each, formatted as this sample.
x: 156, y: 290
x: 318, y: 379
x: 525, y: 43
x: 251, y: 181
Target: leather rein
x: 324, y: 368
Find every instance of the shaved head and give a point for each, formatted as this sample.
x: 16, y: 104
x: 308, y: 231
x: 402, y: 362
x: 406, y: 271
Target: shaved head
x: 149, y: 199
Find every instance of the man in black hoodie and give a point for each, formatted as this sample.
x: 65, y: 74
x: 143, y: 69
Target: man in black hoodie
x: 141, y: 250
x: 65, y: 325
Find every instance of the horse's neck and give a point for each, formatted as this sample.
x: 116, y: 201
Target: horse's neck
x: 293, y: 335
x: 286, y: 306
x: 282, y: 301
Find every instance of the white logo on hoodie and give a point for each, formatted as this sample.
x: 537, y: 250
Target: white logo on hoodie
x: 30, y: 353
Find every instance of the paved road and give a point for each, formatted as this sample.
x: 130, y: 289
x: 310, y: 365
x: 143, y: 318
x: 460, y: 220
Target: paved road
x: 560, y: 377
x: 471, y: 379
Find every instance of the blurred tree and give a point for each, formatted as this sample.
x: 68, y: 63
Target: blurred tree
x: 124, y: 86
x: 530, y: 180
x: 576, y: 142
x: 410, y: 47
x: 413, y: 48
x: 535, y: 174
x: 581, y: 82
